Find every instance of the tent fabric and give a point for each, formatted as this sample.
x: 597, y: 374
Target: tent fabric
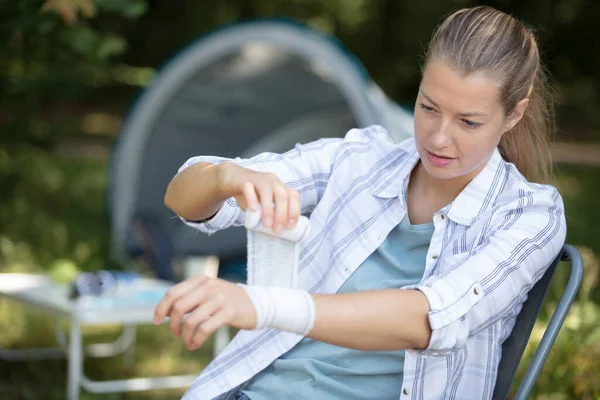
x: 248, y: 88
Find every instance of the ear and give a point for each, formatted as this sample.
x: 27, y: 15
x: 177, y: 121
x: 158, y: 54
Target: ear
x: 516, y: 114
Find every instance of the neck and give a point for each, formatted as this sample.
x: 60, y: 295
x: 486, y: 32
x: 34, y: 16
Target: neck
x: 443, y: 189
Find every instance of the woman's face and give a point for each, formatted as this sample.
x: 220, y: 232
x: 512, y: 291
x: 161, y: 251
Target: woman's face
x: 459, y: 121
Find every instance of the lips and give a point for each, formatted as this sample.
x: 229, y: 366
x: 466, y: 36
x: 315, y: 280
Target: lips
x: 439, y: 160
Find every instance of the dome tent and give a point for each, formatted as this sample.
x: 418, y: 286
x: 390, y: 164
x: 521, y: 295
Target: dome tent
x: 240, y: 90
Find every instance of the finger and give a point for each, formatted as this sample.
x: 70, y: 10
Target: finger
x: 265, y: 193
x: 185, y: 304
x: 249, y: 193
x: 293, y: 208
x: 163, y: 308
x: 196, y: 318
x: 208, y: 327
x: 281, y: 209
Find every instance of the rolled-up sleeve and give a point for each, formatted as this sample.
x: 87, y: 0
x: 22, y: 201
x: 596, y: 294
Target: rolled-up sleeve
x: 230, y: 214
x: 306, y: 169
x: 492, y: 282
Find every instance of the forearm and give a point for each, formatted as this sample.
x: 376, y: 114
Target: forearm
x: 194, y: 193
x: 389, y: 319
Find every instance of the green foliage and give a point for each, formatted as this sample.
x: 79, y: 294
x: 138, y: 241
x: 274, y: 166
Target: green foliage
x: 572, y: 368
x: 56, y: 52
x: 52, y: 50
x: 579, y: 188
x: 57, y: 210
x: 583, y: 213
x: 129, y: 9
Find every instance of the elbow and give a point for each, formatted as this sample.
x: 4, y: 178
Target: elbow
x: 421, y: 332
x: 418, y: 338
x: 412, y: 334
x: 422, y: 341
x: 167, y: 201
x: 170, y: 200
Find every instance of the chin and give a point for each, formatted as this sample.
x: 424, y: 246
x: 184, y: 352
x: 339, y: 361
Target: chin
x: 442, y: 173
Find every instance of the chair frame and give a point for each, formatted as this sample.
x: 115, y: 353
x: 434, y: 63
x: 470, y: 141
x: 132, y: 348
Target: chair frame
x: 514, y: 347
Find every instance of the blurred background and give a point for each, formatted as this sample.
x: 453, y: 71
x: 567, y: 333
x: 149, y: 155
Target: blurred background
x: 71, y: 71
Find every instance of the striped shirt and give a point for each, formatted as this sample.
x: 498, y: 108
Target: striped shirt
x: 489, y: 247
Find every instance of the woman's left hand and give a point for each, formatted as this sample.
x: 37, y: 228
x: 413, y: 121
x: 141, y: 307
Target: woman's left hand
x: 210, y: 304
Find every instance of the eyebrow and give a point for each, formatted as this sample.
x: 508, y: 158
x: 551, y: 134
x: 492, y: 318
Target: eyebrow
x: 467, y: 114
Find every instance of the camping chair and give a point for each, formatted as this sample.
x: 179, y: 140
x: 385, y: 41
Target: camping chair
x: 514, y: 346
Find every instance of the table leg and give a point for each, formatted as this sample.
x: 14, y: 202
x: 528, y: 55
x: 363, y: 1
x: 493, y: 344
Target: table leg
x: 77, y: 379
x: 75, y: 361
x: 129, y: 353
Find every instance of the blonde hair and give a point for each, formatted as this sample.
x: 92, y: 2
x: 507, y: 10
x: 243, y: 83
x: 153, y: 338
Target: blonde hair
x: 483, y: 39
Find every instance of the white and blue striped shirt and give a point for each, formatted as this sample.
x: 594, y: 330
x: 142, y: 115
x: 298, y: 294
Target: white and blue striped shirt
x: 489, y: 247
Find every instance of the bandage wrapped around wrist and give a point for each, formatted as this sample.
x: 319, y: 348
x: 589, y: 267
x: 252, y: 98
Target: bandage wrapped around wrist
x: 272, y: 276
x: 289, y: 310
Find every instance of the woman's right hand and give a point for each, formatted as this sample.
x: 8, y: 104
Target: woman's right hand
x: 279, y: 205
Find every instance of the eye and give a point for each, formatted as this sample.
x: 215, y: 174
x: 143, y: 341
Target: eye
x: 470, y: 124
x: 426, y: 108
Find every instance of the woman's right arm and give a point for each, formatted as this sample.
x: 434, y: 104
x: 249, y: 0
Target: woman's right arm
x: 215, y: 190
x: 199, y: 191
x: 209, y: 193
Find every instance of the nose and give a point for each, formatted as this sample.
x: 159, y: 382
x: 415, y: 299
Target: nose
x: 442, y: 136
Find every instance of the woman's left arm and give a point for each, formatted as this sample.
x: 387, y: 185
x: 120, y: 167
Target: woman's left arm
x: 388, y: 319
x: 491, y: 283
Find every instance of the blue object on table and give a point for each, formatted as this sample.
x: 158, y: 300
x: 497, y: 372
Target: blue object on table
x: 99, y: 283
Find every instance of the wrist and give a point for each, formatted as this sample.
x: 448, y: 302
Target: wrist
x: 223, y: 173
x: 289, y: 310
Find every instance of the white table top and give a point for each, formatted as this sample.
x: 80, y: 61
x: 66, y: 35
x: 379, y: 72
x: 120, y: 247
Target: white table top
x: 131, y: 303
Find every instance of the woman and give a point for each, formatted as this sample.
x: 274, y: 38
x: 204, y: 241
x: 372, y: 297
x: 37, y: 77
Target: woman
x: 421, y: 253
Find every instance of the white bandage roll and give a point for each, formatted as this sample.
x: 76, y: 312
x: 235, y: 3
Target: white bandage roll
x: 273, y: 259
x: 297, y: 234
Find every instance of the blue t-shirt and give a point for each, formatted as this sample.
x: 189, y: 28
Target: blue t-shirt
x: 318, y: 370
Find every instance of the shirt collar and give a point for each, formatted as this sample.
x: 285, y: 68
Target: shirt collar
x: 394, y: 181
x: 479, y: 195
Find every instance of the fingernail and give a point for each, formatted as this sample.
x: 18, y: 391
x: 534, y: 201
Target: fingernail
x: 268, y: 221
x: 279, y: 229
x: 254, y: 206
x: 291, y: 223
